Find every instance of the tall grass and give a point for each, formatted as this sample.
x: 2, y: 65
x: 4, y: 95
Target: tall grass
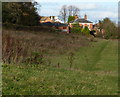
x: 34, y: 47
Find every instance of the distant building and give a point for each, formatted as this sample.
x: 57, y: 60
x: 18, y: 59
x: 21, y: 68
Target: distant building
x: 45, y: 19
x: 50, y: 19
x: 58, y: 26
x: 82, y: 22
x: 62, y: 27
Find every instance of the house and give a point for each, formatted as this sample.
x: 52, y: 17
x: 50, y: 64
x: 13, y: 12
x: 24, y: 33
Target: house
x: 62, y: 27
x: 52, y: 19
x: 45, y: 19
x: 58, y: 26
x: 82, y: 22
x: 56, y: 19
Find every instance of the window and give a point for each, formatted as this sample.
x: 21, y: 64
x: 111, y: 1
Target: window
x: 64, y: 27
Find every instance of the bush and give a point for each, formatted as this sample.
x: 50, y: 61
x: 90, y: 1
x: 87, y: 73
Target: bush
x: 85, y: 31
x: 76, y: 28
x: 109, y: 27
x: 35, y: 58
x: 76, y: 25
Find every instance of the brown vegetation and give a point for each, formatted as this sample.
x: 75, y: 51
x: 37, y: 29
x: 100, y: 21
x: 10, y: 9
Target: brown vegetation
x: 35, y: 46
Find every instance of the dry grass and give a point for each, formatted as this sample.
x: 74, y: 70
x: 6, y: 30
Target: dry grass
x: 18, y: 46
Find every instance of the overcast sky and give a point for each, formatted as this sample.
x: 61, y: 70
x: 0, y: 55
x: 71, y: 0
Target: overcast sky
x: 95, y: 9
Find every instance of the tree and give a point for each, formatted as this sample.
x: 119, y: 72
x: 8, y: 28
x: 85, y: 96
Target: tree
x: 63, y: 13
x: 23, y: 13
x: 76, y: 28
x: 68, y: 12
x: 109, y: 27
x: 85, y: 30
x: 73, y: 10
x: 71, y: 18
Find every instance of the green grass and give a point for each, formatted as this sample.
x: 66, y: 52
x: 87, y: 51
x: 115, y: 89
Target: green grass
x: 94, y: 72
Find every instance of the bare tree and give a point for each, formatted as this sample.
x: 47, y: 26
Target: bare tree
x: 73, y: 10
x: 70, y: 10
x: 63, y: 13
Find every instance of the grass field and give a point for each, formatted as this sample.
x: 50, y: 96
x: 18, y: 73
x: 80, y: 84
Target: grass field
x: 94, y: 71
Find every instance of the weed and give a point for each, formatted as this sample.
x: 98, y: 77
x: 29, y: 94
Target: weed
x: 71, y: 58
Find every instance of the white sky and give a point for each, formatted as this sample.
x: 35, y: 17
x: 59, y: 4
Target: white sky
x: 95, y: 9
x: 77, y: 0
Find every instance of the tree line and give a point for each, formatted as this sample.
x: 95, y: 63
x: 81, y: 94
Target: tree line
x: 109, y: 27
x: 22, y: 13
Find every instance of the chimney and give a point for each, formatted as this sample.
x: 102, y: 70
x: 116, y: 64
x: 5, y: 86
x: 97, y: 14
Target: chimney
x: 76, y: 17
x: 85, y: 17
x: 50, y: 17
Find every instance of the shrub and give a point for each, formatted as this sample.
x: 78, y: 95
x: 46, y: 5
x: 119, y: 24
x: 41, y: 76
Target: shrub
x: 109, y: 27
x: 35, y: 58
x: 76, y: 28
x: 85, y: 30
x: 76, y: 25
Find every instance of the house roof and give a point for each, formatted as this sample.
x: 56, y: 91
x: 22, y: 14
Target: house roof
x: 56, y: 19
x: 44, y: 18
x: 60, y: 25
x: 48, y: 24
x: 81, y: 21
x: 54, y: 24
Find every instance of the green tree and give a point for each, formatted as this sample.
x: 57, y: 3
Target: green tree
x: 76, y: 28
x: 71, y: 18
x: 85, y: 30
x: 109, y: 27
x: 23, y: 13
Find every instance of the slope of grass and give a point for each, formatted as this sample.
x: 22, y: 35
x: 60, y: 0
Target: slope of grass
x: 94, y: 72
x: 18, y: 46
x: 100, y: 55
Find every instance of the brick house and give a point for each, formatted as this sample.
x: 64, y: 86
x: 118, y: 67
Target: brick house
x: 58, y: 26
x: 82, y: 22
x: 62, y: 27
x: 52, y: 19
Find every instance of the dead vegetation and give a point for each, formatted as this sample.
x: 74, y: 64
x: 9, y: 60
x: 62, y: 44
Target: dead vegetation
x: 33, y: 47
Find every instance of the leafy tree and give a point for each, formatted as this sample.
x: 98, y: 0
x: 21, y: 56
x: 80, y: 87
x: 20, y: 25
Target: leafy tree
x: 85, y: 30
x: 76, y: 25
x: 76, y: 28
x: 23, y: 13
x: 71, y: 18
x: 109, y: 27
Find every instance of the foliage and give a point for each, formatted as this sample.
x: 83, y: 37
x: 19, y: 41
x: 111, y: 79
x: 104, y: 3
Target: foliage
x: 99, y: 76
x: 76, y: 28
x: 76, y: 25
x: 109, y: 27
x: 71, y: 18
x: 35, y: 58
x: 85, y: 30
x: 18, y: 46
x: 22, y: 13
